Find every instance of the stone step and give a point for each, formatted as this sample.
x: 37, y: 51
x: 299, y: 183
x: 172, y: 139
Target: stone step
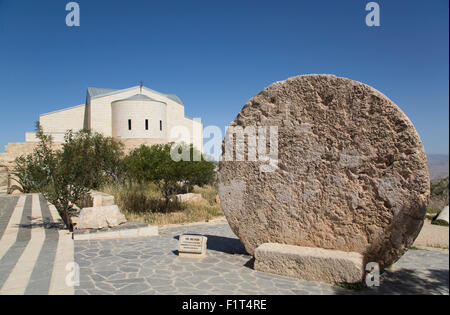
x: 310, y: 263
x: 126, y: 230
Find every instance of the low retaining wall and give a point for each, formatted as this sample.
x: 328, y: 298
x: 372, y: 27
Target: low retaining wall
x: 3, y: 180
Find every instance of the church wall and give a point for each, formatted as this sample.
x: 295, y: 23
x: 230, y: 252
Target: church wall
x: 138, y: 112
x: 97, y: 114
x: 60, y: 121
x: 101, y: 114
x: 57, y: 123
x: 197, y: 133
x: 175, y: 117
x: 193, y: 129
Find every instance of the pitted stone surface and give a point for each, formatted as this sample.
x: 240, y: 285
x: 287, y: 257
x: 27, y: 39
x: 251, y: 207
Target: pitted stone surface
x: 351, y: 172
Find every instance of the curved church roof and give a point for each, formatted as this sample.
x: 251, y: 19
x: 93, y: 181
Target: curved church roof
x: 95, y: 92
x: 99, y: 92
x: 139, y: 97
x: 175, y: 98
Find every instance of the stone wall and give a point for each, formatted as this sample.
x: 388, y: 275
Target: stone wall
x: 62, y: 120
x: 3, y: 179
x: 12, y: 151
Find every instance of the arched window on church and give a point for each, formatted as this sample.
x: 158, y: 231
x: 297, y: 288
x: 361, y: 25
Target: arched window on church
x: 160, y: 125
x: 129, y: 124
x: 146, y: 124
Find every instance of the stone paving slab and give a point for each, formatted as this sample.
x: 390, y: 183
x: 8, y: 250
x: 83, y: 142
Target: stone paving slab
x: 152, y: 266
x: 29, y: 236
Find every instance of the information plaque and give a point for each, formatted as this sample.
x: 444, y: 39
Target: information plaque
x: 192, y: 245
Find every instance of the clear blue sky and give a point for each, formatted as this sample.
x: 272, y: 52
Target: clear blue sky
x: 217, y: 54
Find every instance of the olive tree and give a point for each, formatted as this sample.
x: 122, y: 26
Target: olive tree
x: 155, y: 164
x: 65, y: 176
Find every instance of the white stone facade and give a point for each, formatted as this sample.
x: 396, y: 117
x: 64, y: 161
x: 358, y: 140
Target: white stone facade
x: 146, y: 119
x: 134, y: 115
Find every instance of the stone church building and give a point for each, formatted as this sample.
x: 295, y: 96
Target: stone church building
x: 136, y: 115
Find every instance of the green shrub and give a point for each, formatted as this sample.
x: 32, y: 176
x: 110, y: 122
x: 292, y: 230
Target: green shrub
x: 439, y: 187
x: 139, y: 202
x: 146, y: 181
x: 141, y: 198
x: 100, y: 157
x: 156, y: 164
x: 29, y: 174
x: 145, y: 203
x: 59, y: 175
x: 65, y: 176
x: 439, y: 222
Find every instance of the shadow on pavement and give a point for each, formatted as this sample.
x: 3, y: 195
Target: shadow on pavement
x: 44, y: 224
x: 407, y: 282
x: 223, y: 244
x: 226, y: 245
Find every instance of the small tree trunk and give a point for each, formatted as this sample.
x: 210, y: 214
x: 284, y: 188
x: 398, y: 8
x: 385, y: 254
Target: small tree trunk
x: 68, y: 220
x: 64, y: 213
x: 167, y: 205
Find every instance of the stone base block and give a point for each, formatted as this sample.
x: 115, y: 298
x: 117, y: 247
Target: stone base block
x: 102, y: 199
x: 443, y: 215
x: 118, y: 232
x: 99, y: 217
x: 308, y: 263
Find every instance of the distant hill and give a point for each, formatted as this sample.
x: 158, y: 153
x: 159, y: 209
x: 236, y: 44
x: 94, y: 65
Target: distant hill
x: 438, y: 165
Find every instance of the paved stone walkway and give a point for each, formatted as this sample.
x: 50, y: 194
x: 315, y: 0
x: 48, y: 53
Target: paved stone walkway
x: 34, y: 247
x: 151, y: 266
x: 35, y: 250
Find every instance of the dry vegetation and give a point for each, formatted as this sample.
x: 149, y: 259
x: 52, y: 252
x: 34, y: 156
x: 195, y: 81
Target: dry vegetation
x: 438, y: 200
x: 438, y: 196
x: 145, y: 203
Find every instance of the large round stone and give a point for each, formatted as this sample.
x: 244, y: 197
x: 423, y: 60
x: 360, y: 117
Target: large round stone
x: 351, y: 172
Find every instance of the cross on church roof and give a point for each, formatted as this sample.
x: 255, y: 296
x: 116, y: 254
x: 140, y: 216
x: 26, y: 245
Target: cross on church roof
x: 141, y: 85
